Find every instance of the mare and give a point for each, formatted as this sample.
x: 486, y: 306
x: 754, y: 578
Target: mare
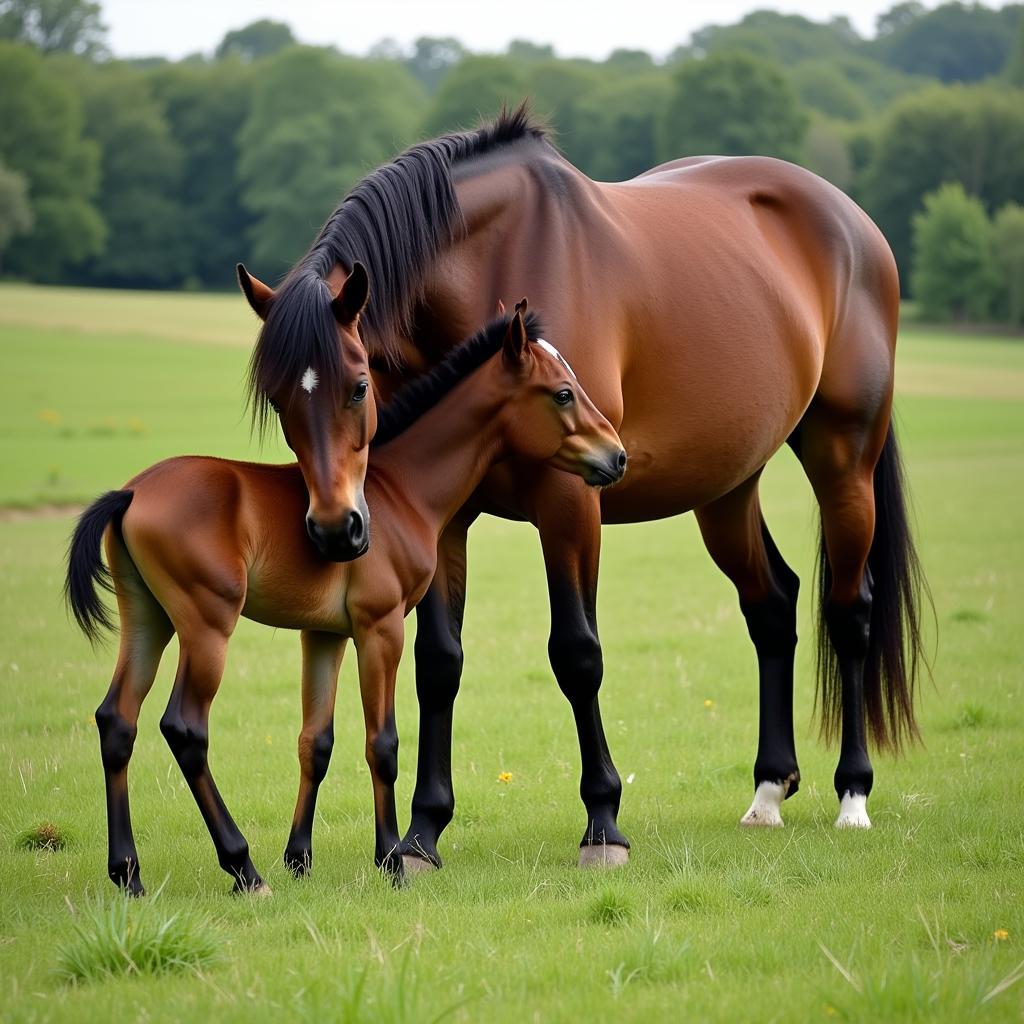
x: 715, y: 308
x: 194, y: 543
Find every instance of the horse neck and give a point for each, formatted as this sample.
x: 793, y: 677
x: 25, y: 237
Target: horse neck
x: 439, y: 461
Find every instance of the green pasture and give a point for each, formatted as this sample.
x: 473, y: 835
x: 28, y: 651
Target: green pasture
x: 921, y: 918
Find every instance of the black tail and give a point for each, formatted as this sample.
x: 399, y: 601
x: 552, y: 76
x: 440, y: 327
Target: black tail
x: 86, y: 571
x: 895, y: 652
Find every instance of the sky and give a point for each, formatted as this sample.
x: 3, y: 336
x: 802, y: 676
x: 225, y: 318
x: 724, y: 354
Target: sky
x: 574, y: 27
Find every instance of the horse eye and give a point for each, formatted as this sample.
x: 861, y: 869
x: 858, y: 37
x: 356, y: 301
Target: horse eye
x: 360, y: 391
x: 563, y: 397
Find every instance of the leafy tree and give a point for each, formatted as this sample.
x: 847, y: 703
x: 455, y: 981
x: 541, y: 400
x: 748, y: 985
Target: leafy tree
x: 954, y: 274
x: 318, y: 123
x: 784, y: 38
x: 1013, y: 72
x: 629, y: 62
x: 899, y: 17
x: 140, y: 174
x: 973, y: 135
x: 261, y: 38
x: 522, y: 50
x: 41, y: 139
x: 432, y: 58
x: 825, y: 152
x: 822, y: 86
x: 55, y: 26
x: 556, y: 89
x: 205, y: 107
x: 1008, y: 243
x: 476, y: 88
x: 955, y: 42
x: 15, y: 210
x: 619, y: 126
x: 732, y: 103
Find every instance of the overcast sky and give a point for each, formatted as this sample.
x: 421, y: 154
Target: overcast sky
x: 575, y: 27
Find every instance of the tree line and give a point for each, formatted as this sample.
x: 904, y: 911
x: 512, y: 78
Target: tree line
x: 159, y: 174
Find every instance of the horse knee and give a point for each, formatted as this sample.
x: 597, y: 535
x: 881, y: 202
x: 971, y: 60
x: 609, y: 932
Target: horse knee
x: 382, y: 754
x: 578, y: 664
x: 315, y: 751
x: 771, y: 621
x: 439, y: 662
x: 117, y: 739
x: 849, y: 626
x: 188, y: 742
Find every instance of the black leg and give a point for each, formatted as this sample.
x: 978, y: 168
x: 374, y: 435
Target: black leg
x: 438, y: 674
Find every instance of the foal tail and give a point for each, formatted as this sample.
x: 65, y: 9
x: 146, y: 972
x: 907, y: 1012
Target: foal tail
x: 86, y: 572
x: 895, y: 650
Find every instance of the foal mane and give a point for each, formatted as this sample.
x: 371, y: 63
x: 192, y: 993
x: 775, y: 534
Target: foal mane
x: 395, y: 221
x: 422, y: 393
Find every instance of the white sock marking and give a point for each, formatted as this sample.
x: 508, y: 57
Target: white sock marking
x: 853, y: 811
x: 764, y: 811
x: 310, y: 379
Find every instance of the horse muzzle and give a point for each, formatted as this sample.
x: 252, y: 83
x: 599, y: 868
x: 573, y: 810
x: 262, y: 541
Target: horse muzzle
x: 343, y: 541
x: 607, y: 471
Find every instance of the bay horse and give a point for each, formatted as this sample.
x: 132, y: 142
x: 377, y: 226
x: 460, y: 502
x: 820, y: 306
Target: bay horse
x: 194, y: 543
x: 715, y: 308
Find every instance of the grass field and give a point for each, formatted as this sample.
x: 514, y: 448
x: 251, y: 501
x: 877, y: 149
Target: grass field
x: 921, y: 918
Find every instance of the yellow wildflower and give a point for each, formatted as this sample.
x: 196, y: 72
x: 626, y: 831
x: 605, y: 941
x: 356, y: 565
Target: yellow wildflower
x: 1000, y: 935
x: 50, y: 416
x: 505, y: 777
x: 709, y: 703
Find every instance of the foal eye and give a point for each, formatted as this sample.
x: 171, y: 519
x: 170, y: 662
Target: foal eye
x: 360, y: 391
x: 563, y: 397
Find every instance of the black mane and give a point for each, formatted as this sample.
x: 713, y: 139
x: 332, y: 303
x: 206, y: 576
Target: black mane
x: 395, y: 222
x: 423, y: 393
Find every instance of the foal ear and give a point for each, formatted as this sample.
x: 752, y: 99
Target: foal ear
x: 258, y: 293
x: 354, y: 295
x: 515, y: 344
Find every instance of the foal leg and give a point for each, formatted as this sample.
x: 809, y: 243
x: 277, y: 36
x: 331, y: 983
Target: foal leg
x: 738, y: 540
x: 379, y: 649
x: 185, y: 726
x: 438, y: 674
x: 321, y: 662
x: 145, y: 632
x: 569, y: 521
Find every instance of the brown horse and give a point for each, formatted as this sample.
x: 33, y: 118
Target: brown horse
x: 194, y: 543
x: 715, y: 309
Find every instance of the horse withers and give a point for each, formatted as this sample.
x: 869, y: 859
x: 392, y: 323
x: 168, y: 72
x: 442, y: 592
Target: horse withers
x: 194, y: 543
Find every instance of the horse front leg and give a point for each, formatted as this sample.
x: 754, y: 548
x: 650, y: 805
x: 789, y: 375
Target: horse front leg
x: 569, y: 521
x: 438, y: 674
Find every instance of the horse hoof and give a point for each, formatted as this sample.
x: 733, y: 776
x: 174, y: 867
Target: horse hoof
x: 764, y: 811
x: 604, y: 855
x: 853, y: 811
x: 299, y: 864
x: 417, y: 865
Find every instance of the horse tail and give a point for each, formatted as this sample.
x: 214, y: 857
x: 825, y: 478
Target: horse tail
x: 895, y: 650
x: 87, y: 574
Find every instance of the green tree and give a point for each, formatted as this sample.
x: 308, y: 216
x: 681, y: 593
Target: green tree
x: 432, y: 58
x: 629, y: 62
x: 15, y: 209
x: 318, y: 123
x: 1008, y: 243
x: 205, y: 107
x: 55, y: 26
x: 823, y: 86
x: 475, y: 89
x: 954, y: 273
x: 41, y: 139
x: 732, y: 103
x: 140, y: 174
x: 970, y: 134
x: 826, y: 153
x: 1013, y: 72
x: 522, y: 50
x: 619, y: 126
x: 556, y: 89
x: 261, y: 38
x: 955, y: 42
x: 784, y: 38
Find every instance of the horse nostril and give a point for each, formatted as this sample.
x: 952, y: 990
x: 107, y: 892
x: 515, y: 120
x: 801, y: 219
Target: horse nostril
x: 621, y: 462
x: 355, y: 528
x: 316, y: 533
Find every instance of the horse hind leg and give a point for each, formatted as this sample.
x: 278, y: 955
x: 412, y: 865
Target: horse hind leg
x: 738, y: 540
x: 145, y: 633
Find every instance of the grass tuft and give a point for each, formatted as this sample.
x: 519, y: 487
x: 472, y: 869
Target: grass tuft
x: 136, y: 937
x: 611, y: 907
x: 44, y: 836
x: 972, y: 716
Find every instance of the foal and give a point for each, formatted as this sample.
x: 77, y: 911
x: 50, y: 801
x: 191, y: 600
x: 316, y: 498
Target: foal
x: 193, y: 543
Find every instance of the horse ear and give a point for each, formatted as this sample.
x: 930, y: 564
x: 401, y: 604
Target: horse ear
x: 354, y: 295
x: 258, y: 293
x: 514, y: 347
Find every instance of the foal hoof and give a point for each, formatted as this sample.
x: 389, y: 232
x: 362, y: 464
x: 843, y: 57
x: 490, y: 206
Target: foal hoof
x: 764, y: 811
x: 417, y: 865
x: 603, y: 855
x: 853, y: 811
x: 258, y: 888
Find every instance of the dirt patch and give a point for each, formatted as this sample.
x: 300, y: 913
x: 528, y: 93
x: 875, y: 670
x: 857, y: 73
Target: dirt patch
x: 27, y: 515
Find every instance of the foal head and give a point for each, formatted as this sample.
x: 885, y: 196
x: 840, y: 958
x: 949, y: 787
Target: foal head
x: 310, y: 368
x: 549, y: 416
